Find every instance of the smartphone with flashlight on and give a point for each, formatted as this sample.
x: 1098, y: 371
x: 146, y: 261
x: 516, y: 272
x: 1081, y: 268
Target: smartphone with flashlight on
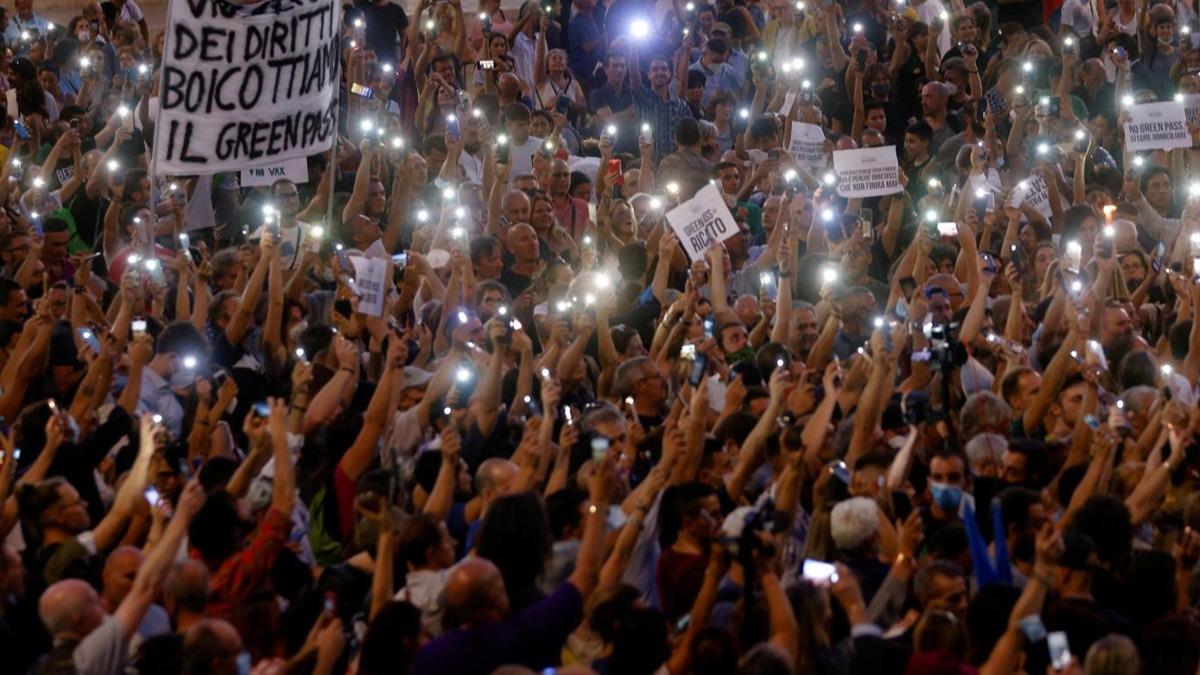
x: 699, y: 368
x: 362, y: 90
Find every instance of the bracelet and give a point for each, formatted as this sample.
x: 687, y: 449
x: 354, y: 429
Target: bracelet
x: 352, y: 371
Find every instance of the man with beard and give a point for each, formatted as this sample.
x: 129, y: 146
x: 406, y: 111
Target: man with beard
x: 804, y: 330
x: 687, y: 523
x: 1116, y: 333
x: 470, y: 159
x: 655, y: 103
x: 639, y: 378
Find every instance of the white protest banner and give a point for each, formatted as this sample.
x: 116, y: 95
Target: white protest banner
x: 1035, y: 193
x: 1157, y: 126
x: 371, y: 278
x: 808, y: 145
x: 295, y: 170
x: 867, y: 172
x: 1191, y: 107
x: 246, y: 86
x: 702, y: 220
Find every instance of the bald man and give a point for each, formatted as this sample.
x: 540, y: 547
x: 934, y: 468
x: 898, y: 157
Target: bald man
x: 494, y: 478
x: 486, y: 637
x: 185, y: 597
x: 212, y: 646
x: 86, y: 638
x: 570, y: 212
x: 120, y: 571
x: 515, y: 208
x: 526, y: 255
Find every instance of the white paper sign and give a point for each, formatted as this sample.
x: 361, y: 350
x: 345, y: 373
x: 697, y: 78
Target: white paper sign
x: 867, y: 172
x: 1191, y: 107
x: 789, y: 99
x: 702, y: 220
x: 246, y: 86
x: 295, y: 170
x: 1157, y: 126
x: 808, y: 145
x: 371, y: 279
x: 1033, y: 192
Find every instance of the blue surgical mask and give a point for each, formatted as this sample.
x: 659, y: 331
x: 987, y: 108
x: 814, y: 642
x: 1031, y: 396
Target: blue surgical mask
x: 946, y: 496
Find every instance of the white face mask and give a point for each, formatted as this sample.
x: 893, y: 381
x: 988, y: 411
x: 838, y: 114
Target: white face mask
x: 951, y: 89
x: 896, y: 442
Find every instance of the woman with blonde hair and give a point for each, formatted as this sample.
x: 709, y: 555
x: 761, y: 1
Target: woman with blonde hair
x: 1112, y: 655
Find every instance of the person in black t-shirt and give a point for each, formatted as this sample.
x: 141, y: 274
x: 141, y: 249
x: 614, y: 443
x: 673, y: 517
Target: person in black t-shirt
x: 385, y: 21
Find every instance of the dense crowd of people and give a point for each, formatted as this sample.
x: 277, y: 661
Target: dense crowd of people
x: 458, y: 399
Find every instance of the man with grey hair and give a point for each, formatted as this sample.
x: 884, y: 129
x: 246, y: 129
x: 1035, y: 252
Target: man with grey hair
x: 984, y: 452
x: 639, y: 378
x: 854, y: 526
x: 984, y: 411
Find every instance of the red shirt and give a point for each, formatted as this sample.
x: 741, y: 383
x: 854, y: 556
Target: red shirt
x: 248, y: 571
x: 572, y: 216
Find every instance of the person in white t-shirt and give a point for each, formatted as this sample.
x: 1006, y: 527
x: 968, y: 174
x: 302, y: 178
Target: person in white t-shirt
x: 930, y: 12
x: 521, y: 145
x: 285, y: 198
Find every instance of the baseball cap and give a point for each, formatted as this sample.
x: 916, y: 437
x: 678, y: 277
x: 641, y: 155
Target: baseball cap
x: 415, y: 377
x: 722, y: 27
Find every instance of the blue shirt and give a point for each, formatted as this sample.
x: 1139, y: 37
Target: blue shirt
x: 37, y: 26
x: 582, y: 28
x: 156, y: 396
x: 662, y: 116
x: 720, y: 76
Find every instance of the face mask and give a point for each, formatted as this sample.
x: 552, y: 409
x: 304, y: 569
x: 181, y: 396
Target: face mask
x: 881, y: 89
x: 1166, y: 43
x: 946, y: 496
x: 896, y: 442
x: 951, y: 89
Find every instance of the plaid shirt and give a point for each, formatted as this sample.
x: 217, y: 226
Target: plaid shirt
x: 662, y: 116
x: 248, y: 571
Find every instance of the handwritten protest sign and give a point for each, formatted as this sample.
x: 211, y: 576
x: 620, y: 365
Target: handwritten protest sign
x: 808, y: 145
x: 702, y: 220
x: 867, y: 172
x: 371, y: 279
x: 1191, y: 107
x: 246, y: 86
x: 295, y: 170
x: 1033, y: 192
x: 1157, y: 126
